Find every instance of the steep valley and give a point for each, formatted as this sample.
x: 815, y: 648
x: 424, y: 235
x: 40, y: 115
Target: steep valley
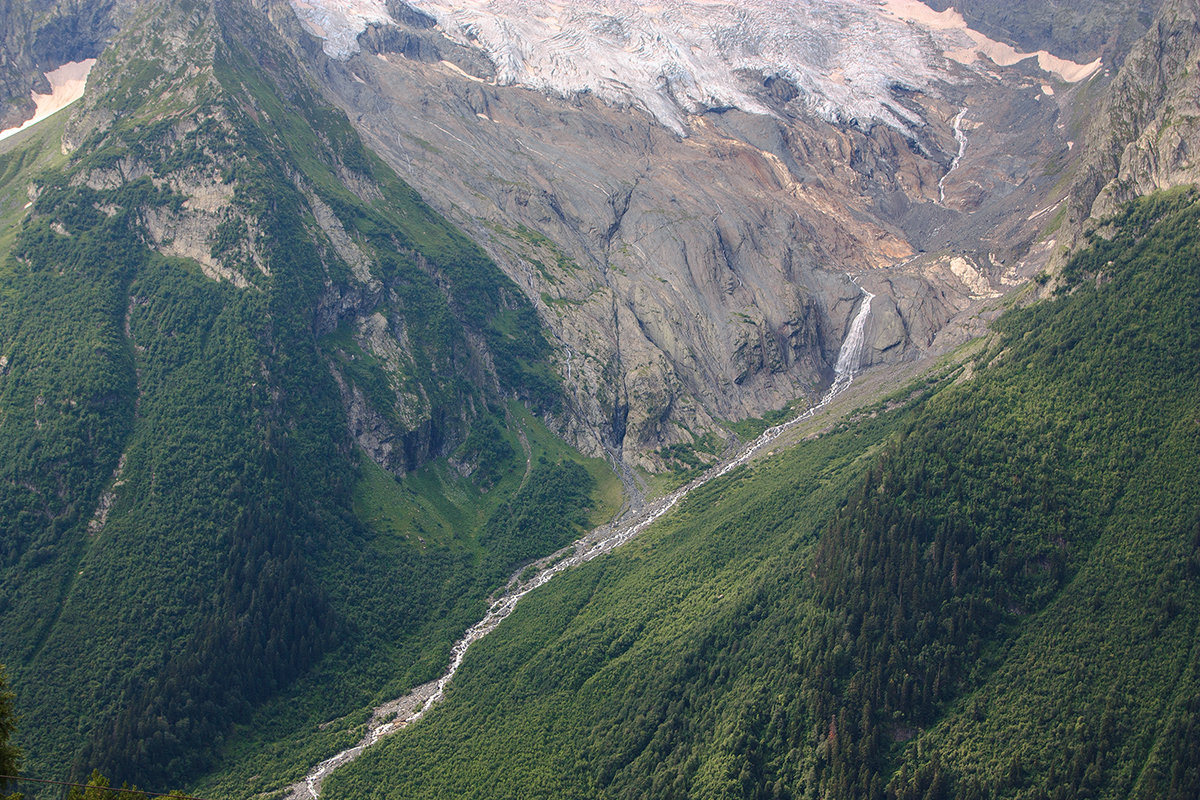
x: 330, y: 329
x: 918, y: 604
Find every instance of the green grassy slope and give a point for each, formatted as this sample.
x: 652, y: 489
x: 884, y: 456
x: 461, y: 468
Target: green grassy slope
x: 993, y: 593
x: 22, y: 156
x: 587, y: 676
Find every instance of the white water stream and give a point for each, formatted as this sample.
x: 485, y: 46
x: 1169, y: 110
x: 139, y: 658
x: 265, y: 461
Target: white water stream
x: 402, y: 712
x: 960, y: 136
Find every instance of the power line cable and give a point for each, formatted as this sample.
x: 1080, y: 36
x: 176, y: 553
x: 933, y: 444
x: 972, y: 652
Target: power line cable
x: 17, y: 779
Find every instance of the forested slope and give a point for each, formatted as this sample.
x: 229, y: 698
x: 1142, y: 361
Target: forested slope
x: 201, y: 310
x: 992, y: 593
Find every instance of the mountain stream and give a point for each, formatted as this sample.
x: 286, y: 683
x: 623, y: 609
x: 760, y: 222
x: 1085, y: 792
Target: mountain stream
x: 960, y: 136
x: 402, y: 712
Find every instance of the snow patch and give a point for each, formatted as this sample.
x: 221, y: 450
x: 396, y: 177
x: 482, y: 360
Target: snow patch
x: 999, y: 53
x: 67, y: 84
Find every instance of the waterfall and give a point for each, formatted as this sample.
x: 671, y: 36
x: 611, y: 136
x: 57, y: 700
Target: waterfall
x: 960, y: 136
x: 850, y: 355
x: 400, y: 713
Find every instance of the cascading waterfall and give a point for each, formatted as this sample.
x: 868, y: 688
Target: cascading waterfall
x: 410, y: 708
x: 850, y: 356
x: 960, y: 136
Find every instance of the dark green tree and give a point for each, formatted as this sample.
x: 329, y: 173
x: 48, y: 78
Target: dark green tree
x: 100, y: 788
x: 10, y: 754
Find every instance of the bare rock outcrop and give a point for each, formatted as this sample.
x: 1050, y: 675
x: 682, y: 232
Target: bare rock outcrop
x: 697, y: 279
x: 38, y: 37
x: 1145, y: 138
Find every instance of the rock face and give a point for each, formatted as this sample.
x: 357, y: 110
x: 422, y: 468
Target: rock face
x: 697, y: 274
x: 1145, y: 137
x: 18, y: 72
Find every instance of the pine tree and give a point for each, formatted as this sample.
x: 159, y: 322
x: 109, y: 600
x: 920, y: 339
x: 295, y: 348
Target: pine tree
x: 10, y: 754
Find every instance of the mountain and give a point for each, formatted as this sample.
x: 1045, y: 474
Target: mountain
x: 319, y: 319
x: 1144, y: 135
x: 683, y: 223
x: 983, y: 586
x: 1076, y: 31
x: 571, y: 145
x: 227, y: 329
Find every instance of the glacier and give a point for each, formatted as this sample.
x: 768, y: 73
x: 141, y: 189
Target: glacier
x: 674, y: 58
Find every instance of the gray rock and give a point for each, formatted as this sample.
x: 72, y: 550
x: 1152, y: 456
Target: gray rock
x: 1145, y: 137
x: 691, y: 281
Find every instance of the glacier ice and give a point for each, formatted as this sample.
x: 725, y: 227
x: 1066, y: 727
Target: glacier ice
x: 672, y: 58
x: 339, y: 22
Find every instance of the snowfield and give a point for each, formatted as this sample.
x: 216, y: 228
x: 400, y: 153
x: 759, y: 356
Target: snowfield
x: 66, y: 86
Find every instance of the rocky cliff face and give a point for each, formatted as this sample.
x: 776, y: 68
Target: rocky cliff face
x: 1145, y: 135
x: 18, y: 72
x: 694, y: 274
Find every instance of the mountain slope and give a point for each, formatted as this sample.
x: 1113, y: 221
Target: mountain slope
x: 1073, y: 30
x: 686, y: 241
x: 955, y: 622
x: 1143, y: 137
x: 271, y: 426
x: 219, y: 319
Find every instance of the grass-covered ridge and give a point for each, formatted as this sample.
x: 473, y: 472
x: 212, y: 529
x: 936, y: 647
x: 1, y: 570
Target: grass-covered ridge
x: 992, y: 594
